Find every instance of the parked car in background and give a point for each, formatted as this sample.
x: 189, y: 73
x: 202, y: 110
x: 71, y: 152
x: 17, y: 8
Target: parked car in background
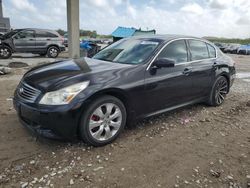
x: 221, y: 46
x: 131, y: 79
x: 108, y: 41
x: 36, y: 41
x: 232, y: 48
x: 90, y: 46
x: 244, y: 49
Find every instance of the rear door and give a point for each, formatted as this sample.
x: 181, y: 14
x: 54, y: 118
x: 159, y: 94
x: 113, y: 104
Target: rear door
x: 24, y: 41
x: 171, y: 86
x: 203, y: 58
x: 44, y: 39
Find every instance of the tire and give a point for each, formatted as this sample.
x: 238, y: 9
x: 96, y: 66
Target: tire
x: 5, y: 52
x: 105, y: 128
x: 219, y: 91
x: 53, y: 52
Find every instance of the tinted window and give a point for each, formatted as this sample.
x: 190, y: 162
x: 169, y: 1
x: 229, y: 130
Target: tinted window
x: 176, y: 50
x: 45, y: 34
x: 198, y: 50
x: 24, y: 34
x: 211, y: 51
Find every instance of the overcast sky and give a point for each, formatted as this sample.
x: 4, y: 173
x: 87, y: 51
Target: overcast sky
x: 223, y: 18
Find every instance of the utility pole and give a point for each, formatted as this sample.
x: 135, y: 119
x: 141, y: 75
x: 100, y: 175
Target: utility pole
x: 73, y: 28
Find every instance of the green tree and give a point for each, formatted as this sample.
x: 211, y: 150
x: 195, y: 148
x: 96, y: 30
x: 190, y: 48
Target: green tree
x: 92, y: 34
x: 61, y: 31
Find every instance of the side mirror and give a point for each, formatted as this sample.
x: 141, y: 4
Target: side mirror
x: 164, y: 62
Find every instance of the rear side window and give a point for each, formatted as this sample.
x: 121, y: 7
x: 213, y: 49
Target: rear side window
x: 176, y: 50
x: 45, y: 34
x: 198, y: 50
x: 211, y: 51
x: 52, y: 35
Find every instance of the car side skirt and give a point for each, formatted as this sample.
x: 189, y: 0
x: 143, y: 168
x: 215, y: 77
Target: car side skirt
x: 203, y: 99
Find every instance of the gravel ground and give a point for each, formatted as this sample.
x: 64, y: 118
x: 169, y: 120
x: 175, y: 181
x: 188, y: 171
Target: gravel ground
x: 31, y: 59
x: 196, y: 146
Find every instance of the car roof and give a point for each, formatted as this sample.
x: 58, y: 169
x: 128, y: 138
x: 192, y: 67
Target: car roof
x: 51, y: 30
x: 167, y: 37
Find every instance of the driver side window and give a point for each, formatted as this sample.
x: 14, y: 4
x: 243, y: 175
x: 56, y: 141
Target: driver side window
x: 24, y: 34
x: 176, y: 51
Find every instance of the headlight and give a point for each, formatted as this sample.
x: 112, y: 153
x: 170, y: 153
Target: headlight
x: 64, y: 95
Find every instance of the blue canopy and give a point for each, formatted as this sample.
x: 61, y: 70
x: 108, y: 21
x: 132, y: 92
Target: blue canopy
x: 123, y: 32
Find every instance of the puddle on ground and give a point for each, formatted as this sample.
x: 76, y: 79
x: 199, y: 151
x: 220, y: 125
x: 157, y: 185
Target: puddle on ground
x: 243, y: 75
x: 17, y: 65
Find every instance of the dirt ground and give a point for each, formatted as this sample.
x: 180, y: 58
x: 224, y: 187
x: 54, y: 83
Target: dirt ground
x: 197, y: 146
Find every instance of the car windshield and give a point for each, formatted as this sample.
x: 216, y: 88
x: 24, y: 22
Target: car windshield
x: 128, y: 51
x: 10, y: 34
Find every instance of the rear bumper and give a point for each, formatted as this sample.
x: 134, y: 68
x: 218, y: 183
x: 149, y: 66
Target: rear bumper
x: 232, y: 78
x: 56, y: 125
x: 62, y: 48
x: 232, y: 75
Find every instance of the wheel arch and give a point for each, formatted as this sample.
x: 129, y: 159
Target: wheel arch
x: 115, y: 92
x: 53, y: 45
x: 7, y: 45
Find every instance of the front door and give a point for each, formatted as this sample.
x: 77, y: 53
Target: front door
x: 170, y: 86
x: 24, y: 41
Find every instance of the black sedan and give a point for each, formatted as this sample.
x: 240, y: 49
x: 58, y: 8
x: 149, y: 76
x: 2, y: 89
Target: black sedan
x: 131, y: 79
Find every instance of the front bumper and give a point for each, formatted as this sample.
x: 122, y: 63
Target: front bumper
x: 48, y: 123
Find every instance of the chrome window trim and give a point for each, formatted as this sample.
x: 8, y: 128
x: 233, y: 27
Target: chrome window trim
x: 187, y: 62
x: 214, y: 49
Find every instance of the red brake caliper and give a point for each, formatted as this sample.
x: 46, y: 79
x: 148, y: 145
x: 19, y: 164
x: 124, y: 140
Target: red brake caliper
x: 95, y: 118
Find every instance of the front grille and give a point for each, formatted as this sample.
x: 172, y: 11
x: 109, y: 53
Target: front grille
x: 27, y: 92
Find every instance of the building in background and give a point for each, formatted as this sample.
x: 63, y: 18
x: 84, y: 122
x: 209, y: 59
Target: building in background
x: 4, y: 22
x: 123, y: 32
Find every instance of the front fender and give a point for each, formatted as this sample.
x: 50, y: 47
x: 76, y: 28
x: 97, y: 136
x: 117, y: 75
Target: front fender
x: 98, y: 90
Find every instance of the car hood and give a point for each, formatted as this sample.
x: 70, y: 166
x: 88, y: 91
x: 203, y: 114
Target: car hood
x: 52, y: 76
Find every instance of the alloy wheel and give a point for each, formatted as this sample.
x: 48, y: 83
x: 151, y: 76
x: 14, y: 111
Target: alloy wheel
x: 221, y: 91
x: 105, y: 121
x: 53, y: 52
x: 4, y: 52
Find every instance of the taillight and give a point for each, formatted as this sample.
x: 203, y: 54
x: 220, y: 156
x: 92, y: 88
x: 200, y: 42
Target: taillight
x: 62, y: 39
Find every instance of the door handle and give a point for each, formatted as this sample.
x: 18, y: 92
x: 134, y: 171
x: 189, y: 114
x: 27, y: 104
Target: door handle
x: 187, y: 71
x: 31, y: 39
